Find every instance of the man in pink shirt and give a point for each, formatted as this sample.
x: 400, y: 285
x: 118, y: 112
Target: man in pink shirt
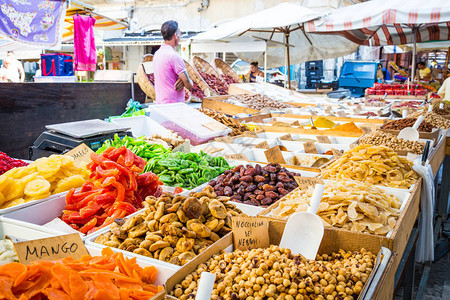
x: 169, y: 68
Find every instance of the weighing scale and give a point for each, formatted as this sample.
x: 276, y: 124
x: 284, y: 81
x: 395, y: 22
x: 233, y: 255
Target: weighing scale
x: 60, y: 138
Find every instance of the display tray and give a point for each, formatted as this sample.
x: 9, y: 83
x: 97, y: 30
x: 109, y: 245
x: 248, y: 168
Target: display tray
x: 399, y: 236
x: 433, y: 135
x: 30, y: 203
x: 259, y: 118
x: 216, y: 103
x: 25, y: 232
x: 90, y: 241
x: 402, y: 97
x: 375, y: 288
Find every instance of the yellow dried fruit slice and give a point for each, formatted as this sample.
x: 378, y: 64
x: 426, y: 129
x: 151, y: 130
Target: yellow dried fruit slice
x: 49, y: 167
x: 15, y: 190
x: 37, y: 187
x: 66, y: 184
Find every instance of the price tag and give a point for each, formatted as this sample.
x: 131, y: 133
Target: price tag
x: 379, y: 112
x: 251, y: 134
x: 310, y: 147
x: 323, y: 139
x: 336, y: 153
x: 274, y: 155
x: 224, y: 139
x: 328, y: 110
x: 366, y: 129
x: 215, y: 126
x: 305, y: 182
x: 295, y: 123
x: 262, y: 145
x: 286, y: 137
x: 250, y: 232
x: 51, y: 248
x: 239, y: 156
x: 81, y: 154
x: 185, y: 147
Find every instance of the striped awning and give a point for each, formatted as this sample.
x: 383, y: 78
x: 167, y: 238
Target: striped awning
x: 388, y: 22
x: 102, y: 22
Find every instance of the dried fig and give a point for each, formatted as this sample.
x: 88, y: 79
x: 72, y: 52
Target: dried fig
x: 212, y: 224
x: 117, y: 231
x: 192, y: 208
x: 137, y: 230
x: 184, y: 244
x: 153, y: 225
x: 159, y: 211
x: 158, y: 245
x: 186, y: 257
x: 217, y: 209
x: 169, y: 218
x: 143, y: 251
x: 166, y: 253
x: 181, y: 216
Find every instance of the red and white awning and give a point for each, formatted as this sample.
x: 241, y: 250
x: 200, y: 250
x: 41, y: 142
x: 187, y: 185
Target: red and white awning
x: 388, y: 22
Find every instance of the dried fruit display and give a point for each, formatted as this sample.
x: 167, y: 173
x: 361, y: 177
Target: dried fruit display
x: 407, y: 122
x: 197, y: 91
x: 228, y: 79
x: 109, y: 276
x: 276, y: 273
x: 7, y: 163
x: 40, y: 179
x: 255, y: 185
x: 116, y: 190
x: 237, y: 127
x: 347, y: 204
x: 171, y: 140
x: 217, y: 84
x: 257, y: 102
x: 379, y: 137
x: 373, y: 164
x: 173, y: 228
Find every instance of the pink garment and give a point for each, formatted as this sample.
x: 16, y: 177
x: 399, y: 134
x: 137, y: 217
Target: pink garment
x: 167, y: 65
x: 85, y: 54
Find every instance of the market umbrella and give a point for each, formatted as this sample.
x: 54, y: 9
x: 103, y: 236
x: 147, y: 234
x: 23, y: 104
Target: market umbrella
x: 282, y: 27
x: 394, y: 22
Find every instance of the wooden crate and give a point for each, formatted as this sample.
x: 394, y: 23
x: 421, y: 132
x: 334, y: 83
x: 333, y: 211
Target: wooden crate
x: 215, y: 103
x: 400, y: 235
x: 332, y: 241
x: 437, y: 156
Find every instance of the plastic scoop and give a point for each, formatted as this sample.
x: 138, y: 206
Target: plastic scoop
x: 411, y: 133
x: 304, y: 230
x: 205, y: 286
x: 430, y: 108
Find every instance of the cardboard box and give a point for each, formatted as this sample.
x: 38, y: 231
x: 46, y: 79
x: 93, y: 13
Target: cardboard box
x: 332, y: 241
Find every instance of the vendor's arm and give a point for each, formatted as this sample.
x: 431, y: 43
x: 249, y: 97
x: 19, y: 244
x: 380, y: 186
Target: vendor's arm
x: 247, y: 76
x: 179, y: 66
x: 184, y: 81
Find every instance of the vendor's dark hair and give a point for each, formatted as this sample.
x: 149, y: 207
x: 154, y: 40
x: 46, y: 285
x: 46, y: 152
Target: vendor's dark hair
x: 255, y: 63
x: 168, y: 29
x: 421, y: 63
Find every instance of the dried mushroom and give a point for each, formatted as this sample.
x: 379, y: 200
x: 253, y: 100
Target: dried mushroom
x: 173, y: 228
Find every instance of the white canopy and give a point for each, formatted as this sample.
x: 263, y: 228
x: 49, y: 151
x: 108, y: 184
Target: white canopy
x: 281, y: 26
x: 393, y: 22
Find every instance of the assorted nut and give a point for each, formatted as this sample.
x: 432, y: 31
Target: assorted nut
x: 378, y: 165
x: 173, y: 228
x: 237, y: 127
x: 347, y: 204
x: 255, y: 185
x: 276, y: 273
x: 379, y: 138
x: 257, y: 101
x: 434, y: 119
x: 407, y: 122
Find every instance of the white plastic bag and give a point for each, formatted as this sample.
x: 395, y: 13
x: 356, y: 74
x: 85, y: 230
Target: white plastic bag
x: 425, y: 244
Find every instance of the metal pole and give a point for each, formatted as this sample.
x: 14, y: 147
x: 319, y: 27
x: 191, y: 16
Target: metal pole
x: 413, y: 71
x: 132, y: 86
x: 446, y: 63
x: 265, y: 65
x: 288, y: 60
x: 104, y: 57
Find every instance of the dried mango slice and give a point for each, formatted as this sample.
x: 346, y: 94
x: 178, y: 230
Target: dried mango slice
x: 37, y: 187
x: 66, y: 184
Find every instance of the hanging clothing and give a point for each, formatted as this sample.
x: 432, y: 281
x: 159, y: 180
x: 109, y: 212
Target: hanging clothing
x: 84, y: 43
